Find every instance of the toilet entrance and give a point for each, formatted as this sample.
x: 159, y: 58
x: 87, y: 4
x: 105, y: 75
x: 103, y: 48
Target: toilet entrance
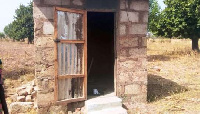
x: 100, y: 53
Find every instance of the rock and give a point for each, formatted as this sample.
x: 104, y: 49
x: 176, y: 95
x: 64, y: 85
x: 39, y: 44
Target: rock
x: 29, y: 89
x: 78, y: 109
x: 20, y: 89
x: 20, y: 107
x: 35, y: 88
x: 157, y: 68
x: 23, y: 93
x: 33, y: 94
x: 14, y: 97
x: 21, y: 98
x: 28, y: 98
x: 33, y: 83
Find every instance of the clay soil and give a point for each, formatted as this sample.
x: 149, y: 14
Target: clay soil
x: 173, y: 74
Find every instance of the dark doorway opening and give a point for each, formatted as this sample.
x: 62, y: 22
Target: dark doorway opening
x: 100, y: 41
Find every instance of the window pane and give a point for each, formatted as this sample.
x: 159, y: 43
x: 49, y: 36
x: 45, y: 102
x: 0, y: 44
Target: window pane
x: 70, y: 26
x: 70, y: 59
x: 70, y: 88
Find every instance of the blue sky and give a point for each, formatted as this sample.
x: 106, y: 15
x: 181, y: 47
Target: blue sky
x: 8, y: 7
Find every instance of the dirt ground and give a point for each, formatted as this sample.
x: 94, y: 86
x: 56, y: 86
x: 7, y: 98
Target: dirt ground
x: 18, y: 65
x: 173, y: 74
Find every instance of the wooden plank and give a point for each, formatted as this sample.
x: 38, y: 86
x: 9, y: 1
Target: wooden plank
x: 73, y: 41
x: 56, y: 55
x: 71, y: 76
x: 70, y: 10
x: 85, y: 55
x: 65, y: 102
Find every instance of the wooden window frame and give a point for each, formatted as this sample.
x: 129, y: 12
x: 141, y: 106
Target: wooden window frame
x: 84, y: 42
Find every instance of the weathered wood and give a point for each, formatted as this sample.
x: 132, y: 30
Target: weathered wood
x: 71, y: 76
x: 73, y: 41
x: 85, y: 54
x: 56, y: 55
x: 72, y: 54
x: 70, y: 10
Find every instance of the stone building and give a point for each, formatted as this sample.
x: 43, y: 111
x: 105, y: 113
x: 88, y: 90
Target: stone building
x: 83, y: 45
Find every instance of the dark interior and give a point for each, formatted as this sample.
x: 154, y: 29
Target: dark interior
x: 100, y: 52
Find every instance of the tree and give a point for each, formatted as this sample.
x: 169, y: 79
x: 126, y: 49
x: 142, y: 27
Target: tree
x: 23, y: 26
x: 181, y: 18
x: 2, y: 35
x: 154, y: 16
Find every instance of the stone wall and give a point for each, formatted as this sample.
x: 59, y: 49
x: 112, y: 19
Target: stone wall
x: 131, y: 74
x: 131, y: 51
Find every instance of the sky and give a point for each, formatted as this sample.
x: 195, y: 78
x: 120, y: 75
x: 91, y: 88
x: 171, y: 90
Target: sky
x: 8, y: 7
x: 162, y: 5
x: 7, y: 11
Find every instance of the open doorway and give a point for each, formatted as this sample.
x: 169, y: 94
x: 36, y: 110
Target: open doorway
x: 100, y: 41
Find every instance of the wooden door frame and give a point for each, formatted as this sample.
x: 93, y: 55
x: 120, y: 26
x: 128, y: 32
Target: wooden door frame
x: 84, y: 42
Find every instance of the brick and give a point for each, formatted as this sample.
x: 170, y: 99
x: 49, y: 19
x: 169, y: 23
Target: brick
x: 52, y: 2
x: 122, y: 29
x: 143, y: 61
x: 133, y: 89
x: 43, y: 12
x: 44, y: 42
x: 45, y: 99
x: 140, y: 5
x: 45, y: 56
x: 138, y: 29
x: 144, y: 88
x: 138, y: 52
x: 139, y: 98
x: 77, y: 2
x: 48, y: 28
x: 123, y: 52
x: 132, y: 76
x: 65, y: 2
x: 36, y: 2
x: 129, y: 16
x: 129, y: 65
x: 145, y: 17
x: 120, y: 90
x: 45, y: 72
x: 45, y: 85
x: 38, y: 28
x: 128, y: 42
x: 144, y: 41
x: 123, y: 4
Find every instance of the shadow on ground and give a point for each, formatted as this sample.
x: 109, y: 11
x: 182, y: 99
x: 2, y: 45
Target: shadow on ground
x: 159, y: 88
x: 152, y: 58
x: 15, y: 74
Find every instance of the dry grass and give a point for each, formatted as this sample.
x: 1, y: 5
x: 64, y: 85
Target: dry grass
x: 18, y: 65
x: 173, y: 76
